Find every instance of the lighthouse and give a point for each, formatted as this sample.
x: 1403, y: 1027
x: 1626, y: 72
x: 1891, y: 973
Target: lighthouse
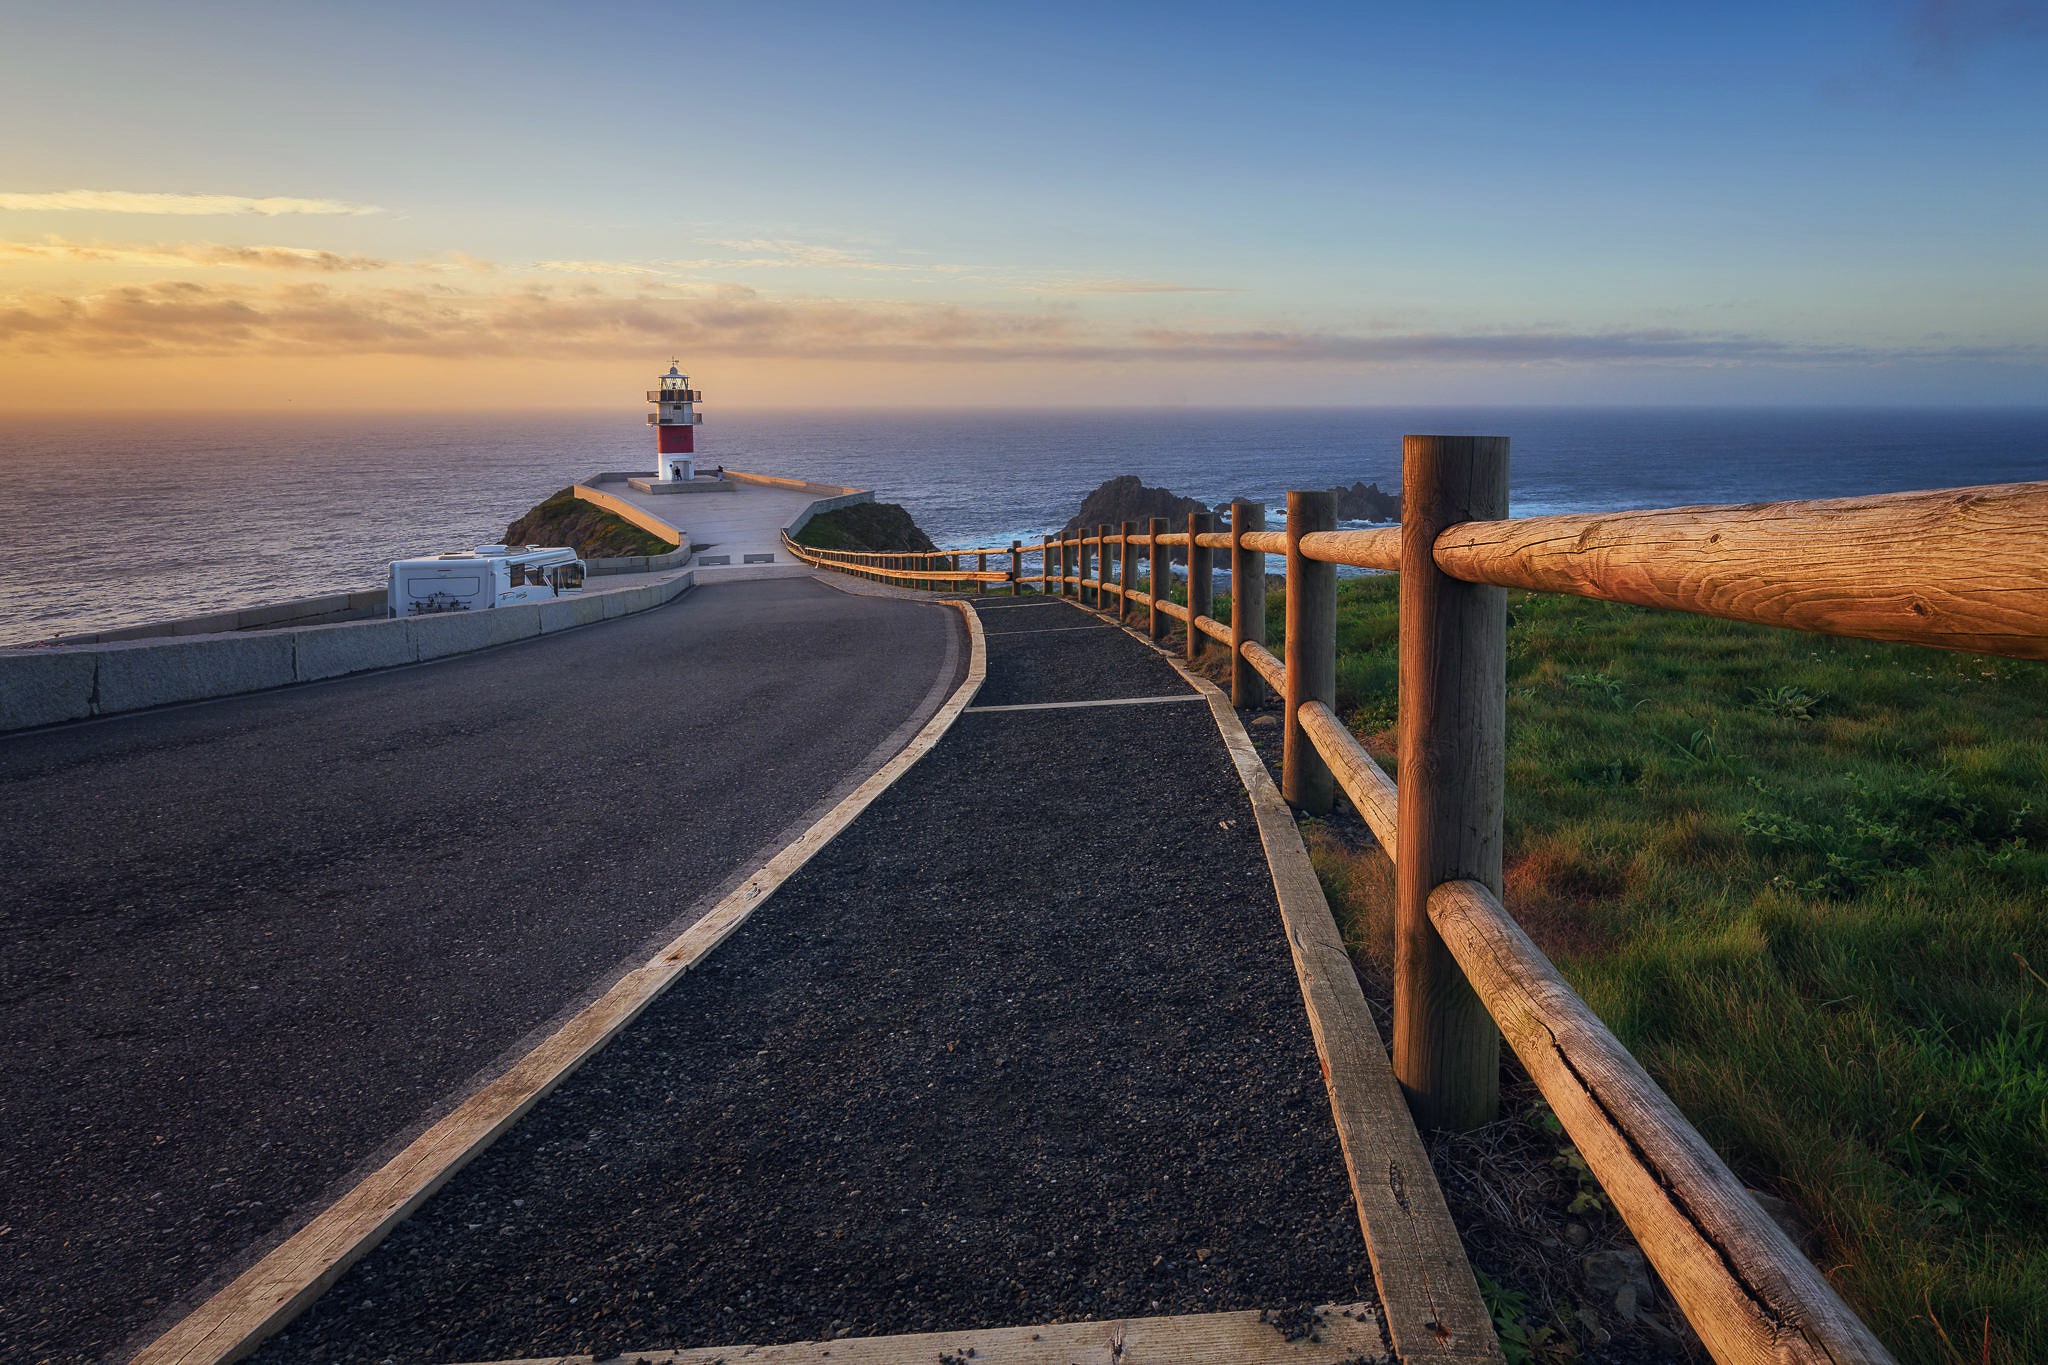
x: 674, y: 419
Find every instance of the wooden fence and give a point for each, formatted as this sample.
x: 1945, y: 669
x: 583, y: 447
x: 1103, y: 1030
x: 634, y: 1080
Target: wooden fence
x: 1963, y: 569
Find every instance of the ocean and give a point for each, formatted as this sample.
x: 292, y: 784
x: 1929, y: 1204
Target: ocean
x: 115, y: 521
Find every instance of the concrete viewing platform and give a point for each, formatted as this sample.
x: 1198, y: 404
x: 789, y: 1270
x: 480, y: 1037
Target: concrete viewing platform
x: 736, y: 535
x: 702, y: 483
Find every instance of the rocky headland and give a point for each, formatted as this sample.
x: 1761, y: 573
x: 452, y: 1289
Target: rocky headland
x: 871, y: 527
x: 1127, y: 498
x: 565, y: 519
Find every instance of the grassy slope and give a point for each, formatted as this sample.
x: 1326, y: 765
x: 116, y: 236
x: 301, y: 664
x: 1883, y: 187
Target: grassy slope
x: 1806, y: 881
x: 565, y: 519
x: 881, y: 526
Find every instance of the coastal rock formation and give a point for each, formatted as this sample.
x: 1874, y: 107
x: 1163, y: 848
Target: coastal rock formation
x: 565, y: 519
x: 1365, y: 502
x: 880, y: 527
x: 1125, y: 498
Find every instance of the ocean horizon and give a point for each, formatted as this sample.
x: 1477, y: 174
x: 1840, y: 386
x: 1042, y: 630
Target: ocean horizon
x: 118, y: 520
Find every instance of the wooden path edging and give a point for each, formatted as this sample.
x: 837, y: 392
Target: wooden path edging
x: 1426, y: 1286
x: 263, y: 1299
x: 1343, y: 1333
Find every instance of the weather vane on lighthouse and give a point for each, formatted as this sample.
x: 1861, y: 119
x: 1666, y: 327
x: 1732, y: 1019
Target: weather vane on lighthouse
x: 675, y: 419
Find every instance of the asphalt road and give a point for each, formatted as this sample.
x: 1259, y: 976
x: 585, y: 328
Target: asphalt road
x: 1023, y: 1044
x: 248, y: 947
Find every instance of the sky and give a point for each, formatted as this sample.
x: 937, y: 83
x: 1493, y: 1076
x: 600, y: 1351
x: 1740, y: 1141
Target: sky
x: 312, y: 206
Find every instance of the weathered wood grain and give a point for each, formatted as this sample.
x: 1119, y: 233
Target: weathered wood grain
x: 1247, y: 602
x: 1265, y: 542
x: 1159, y: 578
x: 1358, y: 776
x: 1379, y: 548
x: 1213, y: 628
x: 1960, y: 568
x: 1127, y: 573
x: 1201, y: 583
x: 1344, y: 1332
x: 1311, y: 650
x: 1453, y: 757
x: 1105, y: 570
x: 1741, y: 1283
x: 1266, y: 664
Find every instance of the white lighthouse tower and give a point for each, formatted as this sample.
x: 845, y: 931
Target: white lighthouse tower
x: 675, y: 420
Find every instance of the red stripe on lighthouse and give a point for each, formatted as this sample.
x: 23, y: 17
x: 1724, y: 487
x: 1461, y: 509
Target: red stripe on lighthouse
x: 676, y: 440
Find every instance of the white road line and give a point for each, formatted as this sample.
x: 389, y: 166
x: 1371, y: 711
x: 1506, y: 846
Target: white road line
x: 269, y: 1294
x: 1069, y: 705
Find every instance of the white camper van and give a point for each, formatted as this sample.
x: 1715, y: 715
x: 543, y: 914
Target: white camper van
x: 488, y: 576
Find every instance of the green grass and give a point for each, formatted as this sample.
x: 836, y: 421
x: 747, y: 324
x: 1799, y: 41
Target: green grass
x: 865, y: 526
x: 1805, y: 880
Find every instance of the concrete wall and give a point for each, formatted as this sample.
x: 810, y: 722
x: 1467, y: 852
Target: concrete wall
x: 590, y: 492
x: 619, y: 507
x: 360, y: 605
x: 56, y: 683
x: 674, y: 559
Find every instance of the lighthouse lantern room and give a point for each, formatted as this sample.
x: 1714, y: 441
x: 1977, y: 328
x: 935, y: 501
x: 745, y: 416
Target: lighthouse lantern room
x: 675, y: 420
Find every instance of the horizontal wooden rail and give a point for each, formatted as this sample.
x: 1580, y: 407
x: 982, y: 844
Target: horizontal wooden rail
x: 909, y: 554
x: 1361, y: 779
x: 1961, y: 568
x: 1375, y: 549
x: 818, y: 558
x: 1741, y: 1283
x: 1268, y: 665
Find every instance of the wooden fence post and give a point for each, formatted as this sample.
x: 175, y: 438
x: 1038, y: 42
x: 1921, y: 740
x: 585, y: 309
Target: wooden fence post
x: 1201, y: 581
x: 1127, y: 573
x: 1065, y: 557
x: 1452, y: 752
x: 1016, y: 567
x: 1305, y: 779
x: 1160, y: 579
x: 1247, y: 603
x: 1105, y: 564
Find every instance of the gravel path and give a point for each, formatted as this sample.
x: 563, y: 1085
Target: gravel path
x: 1023, y: 1044
x: 248, y: 945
